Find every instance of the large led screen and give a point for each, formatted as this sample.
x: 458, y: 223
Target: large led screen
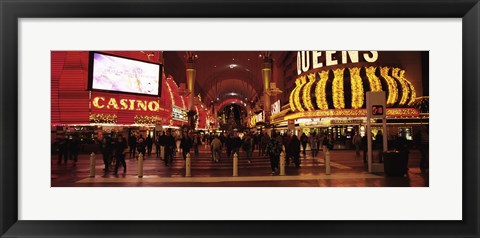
x: 125, y: 75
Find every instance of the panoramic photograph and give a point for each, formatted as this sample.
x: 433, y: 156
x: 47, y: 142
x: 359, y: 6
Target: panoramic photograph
x: 313, y: 118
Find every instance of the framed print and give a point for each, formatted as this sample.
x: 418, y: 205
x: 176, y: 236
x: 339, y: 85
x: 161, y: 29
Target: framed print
x: 50, y: 46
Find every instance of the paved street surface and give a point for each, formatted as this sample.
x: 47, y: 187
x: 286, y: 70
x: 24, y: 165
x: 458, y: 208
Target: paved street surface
x: 346, y: 171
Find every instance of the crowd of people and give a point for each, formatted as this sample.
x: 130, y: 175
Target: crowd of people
x: 67, y: 148
x: 114, y: 150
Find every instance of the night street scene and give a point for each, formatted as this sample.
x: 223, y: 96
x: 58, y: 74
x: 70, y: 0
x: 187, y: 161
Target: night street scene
x: 239, y: 118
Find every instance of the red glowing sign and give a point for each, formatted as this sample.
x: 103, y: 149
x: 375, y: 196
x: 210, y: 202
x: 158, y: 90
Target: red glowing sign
x: 377, y: 110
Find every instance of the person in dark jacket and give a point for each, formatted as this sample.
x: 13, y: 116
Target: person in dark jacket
x: 229, y: 145
x: 74, y: 144
x: 304, y: 141
x: 158, y: 143
x: 149, y: 143
x: 106, y: 148
x: 185, y: 145
x: 264, y: 139
x: 294, y: 150
x: 196, y: 143
x: 62, y: 144
x: 364, y: 143
x: 247, y: 145
x: 141, y: 145
x: 379, y: 145
x: 236, y: 144
x: 170, y: 144
x: 274, y: 149
x: 119, y: 149
x: 286, y: 140
x: 132, y: 143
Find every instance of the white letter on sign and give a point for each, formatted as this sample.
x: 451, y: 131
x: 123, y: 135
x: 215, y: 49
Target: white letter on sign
x: 329, y: 60
x: 372, y: 58
x: 316, y: 63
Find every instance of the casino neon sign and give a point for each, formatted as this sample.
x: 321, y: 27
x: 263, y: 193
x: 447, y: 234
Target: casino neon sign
x: 125, y: 104
x: 310, y: 60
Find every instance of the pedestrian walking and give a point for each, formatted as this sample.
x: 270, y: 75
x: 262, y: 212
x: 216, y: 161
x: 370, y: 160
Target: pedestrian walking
x: 119, y: 147
x: 149, y: 143
x: 141, y: 146
x: 216, y: 149
x: 304, y: 141
x: 185, y: 145
x: 357, y: 142
x: 132, y: 144
x: 170, y: 145
x: 294, y: 150
x: 274, y: 148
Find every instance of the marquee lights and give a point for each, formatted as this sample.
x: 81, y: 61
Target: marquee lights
x: 357, y: 88
x: 296, y: 97
x: 320, y: 90
x: 404, y: 84
x: 391, y: 112
x: 375, y: 85
x: 290, y: 99
x: 338, y: 97
x: 306, y: 92
x: 170, y: 91
x: 300, y: 97
x: 145, y: 119
x: 414, y: 94
x: 392, y: 86
x: 183, y: 102
x: 103, y: 118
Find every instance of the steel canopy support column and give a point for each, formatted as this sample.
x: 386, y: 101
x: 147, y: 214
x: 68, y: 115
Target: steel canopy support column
x: 266, y: 77
x: 191, y: 73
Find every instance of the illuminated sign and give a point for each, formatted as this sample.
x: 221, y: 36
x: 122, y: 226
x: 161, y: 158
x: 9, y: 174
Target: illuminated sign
x: 120, y: 74
x: 308, y: 60
x: 377, y: 110
x: 376, y: 104
x: 346, y: 121
x: 275, y: 107
x: 125, y: 104
x: 253, y: 121
x: 179, y: 114
x: 260, y: 117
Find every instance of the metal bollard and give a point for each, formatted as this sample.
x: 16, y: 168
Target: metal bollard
x: 235, y: 165
x: 282, y: 163
x: 327, y: 162
x: 92, y: 165
x: 140, y: 165
x: 187, y: 166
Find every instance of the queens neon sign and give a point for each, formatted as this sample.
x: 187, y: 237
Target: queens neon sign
x: 125, y: 104
x: 309, y: 60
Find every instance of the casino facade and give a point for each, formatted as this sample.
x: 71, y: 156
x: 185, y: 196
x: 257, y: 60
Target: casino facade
x: 80, y: 109
x: 288, y: 91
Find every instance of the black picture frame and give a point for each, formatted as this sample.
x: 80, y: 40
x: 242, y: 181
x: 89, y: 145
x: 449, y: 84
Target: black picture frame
x: 11, y: 11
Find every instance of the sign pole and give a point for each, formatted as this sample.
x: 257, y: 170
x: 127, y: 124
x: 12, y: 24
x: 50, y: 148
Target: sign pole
x: 376, y: 109
x: 369, y: 144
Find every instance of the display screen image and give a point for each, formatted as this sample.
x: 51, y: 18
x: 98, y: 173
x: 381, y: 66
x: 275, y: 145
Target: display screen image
x: 125, y: 75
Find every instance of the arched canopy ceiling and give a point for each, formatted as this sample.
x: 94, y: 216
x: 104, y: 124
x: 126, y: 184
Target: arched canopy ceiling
x: 219, y: 73
x: 230, y: 88
x: 231, y: 101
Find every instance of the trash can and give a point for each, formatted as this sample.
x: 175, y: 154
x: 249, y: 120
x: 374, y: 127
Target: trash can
x: 395, y: 163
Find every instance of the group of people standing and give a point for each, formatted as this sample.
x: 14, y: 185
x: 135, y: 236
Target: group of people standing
x: 67, y: 148
x: 114, y: 150
x: 232, y: 144
x: 316, y: 141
